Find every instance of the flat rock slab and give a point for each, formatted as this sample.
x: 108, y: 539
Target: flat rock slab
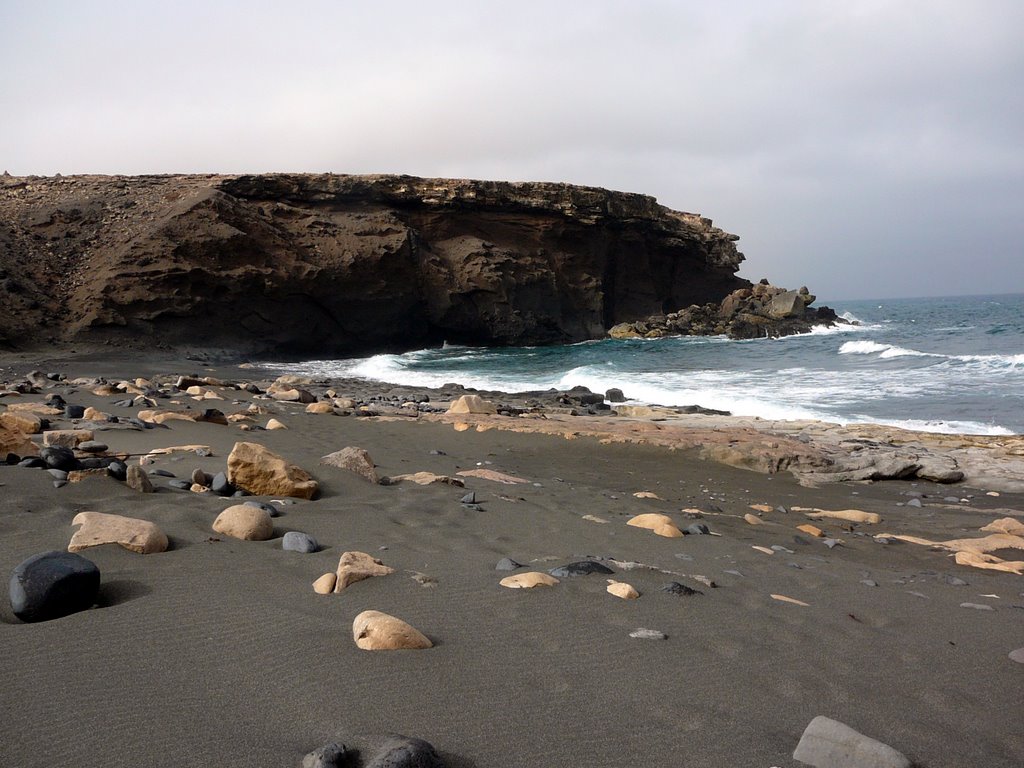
x: 53, y: 584
x: 427, y: 478
x: 528, y: 580
x: 490, y: 474
x: 827, y: 743
x: 99, y: 528
x: 377, y: 631
x: 354, y: 459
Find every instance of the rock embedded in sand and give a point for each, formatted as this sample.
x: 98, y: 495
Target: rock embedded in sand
x: 136, y: 478
x: 579, y: 568
x: 753, y: 519
x: 356, y: 566
x: 827, y: 743
x: 377, y: 631
x: 1017, y: 655
x: 399, y: 751
x: 275, y: 424
x: 320, y: 408
x: 648, y: 634
x: 325, y: 584
x: 99, y: 528
x: 472, y: 404
x: 245, y: 522
x: 1009, y: 525
x: 297, y: 541
x: 59, y: 457
x: 53, y: 584
x: 528, y: 580
x: 507, y: 564
x: 262, y: 472
x: 622, y: 589
x: 426, y: 478
x: 850, y: 515
x: 333, y: 755
x: 494, y: 476
x: 662, y: 525
x: 675, y: 588
x: 354, y: 459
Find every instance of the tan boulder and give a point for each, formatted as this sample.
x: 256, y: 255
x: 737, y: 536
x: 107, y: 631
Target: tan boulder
x: 325, y: 584
x: 25, y: 422
x: 275, y: 424
x: 529, y: 580
x: 493, y: 476
x: 14, y: 441
x: 67, y: 438
x: 137, y: 479
x: 99, y: 528
x: 262, y: 472
x: 472, y: 404
x: 356, y: 566
x: 460, y: 426
x: 246, y: 522
x: 319, y: 407
x: 427, y: 478
x: 106, y: 390
x: 354, y: 459
x: 345, y: 403
x: 622, y: 589
x: 662, y: 525
x: 91, y: 414
x: 293, y: 396
x: 376, y: 631
x: 1008, y: 525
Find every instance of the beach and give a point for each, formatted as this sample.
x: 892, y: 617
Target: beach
x: 218, y: 650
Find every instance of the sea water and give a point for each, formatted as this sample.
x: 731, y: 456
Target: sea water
x: 935, y: 364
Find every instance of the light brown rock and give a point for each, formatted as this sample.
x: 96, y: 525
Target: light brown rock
x: 376, y: 631
x: 472, y: 404
x: 460, y: 426
x: 138, y: 480
x: 354, y: 459
x: 275, y: 424
x: 320, y: 407
x: 647, y: 495
x: 1010, y: 525
x: 246, y: 522
x: 99, y: 528
x: 91, y: 414
x: 293, y: 396
x: 38, y: 408
x: 78, y: 475
x: 793, y: 600
x: 67, y: 438
x: 428, y: 478
x: 850, y: 515
x: 160, y: 417
x: 13, y: 441
x: 761, y: 507
x: 529, y: 580
x: 356, y: 566
x: 753, y: 519
x: 25, y: 422
x: 662, y: 525
x: 811, y: 530
x: 492, y: 475
x: 622, y: 589
x: 262, y: 472
x: 325, y: 584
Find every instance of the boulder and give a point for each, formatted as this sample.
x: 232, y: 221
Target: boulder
x: 99, y: 528
x: 788, y: 304
x: 275, y: 424
x: 246, y: 522
x: 293, y: 396
x: 53, y: 584
x: 136, y: 478
x: 13, y: 441
x: 356, y: 566
x: 614, y: 395
x: 25, y: 422
x: 827, y: 743
x: 529, y: 580
x: 399, y: 751
x: 472, y: 404
x: 659, y: 524
x: 353, y: 459
x: 261, y: 472
x: 320, y: 407
x: 58, y: 457
x: 376, y: 631
x: 67, y: 438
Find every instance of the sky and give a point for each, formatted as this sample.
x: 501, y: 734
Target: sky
x: 865, y: 149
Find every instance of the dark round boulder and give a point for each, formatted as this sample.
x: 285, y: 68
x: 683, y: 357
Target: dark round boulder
x: 57, y: 457
x: 74, y: 411
x: 579, y: 568
x: 53, y: 584
x: 118, y: 470
x: 220, y: 485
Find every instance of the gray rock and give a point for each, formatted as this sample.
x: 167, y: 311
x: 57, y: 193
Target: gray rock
x: 977, y: 606
x: 32, y: 462
x: 1017, y: 655
x: 675, y: 588
x: 200, y: 478
x: 914, y: 503
x: 331, y: 755
x: 58, y: 474
x: 869, y: 582
x: 648, y: 634
x: 59, y: 483
x: 161, y: 473
x: 182, y: 485
x: 74, y: 411
x: 831, y: 543
x: 92, y: 446
x: 59, y: 458
x: 507, y: 564
x: 614, y: 395
x: 137, y: 479
x: 271, y: 509
x: 469, y: 498
x: 297, y: 541
x: 405, y: 752
x: 118, y: 470
x: 53, y: 584
x: 220, y: 485
x: 697, y: 529
x: 579, y: 568
x: 954, y: 581
x: 827, y: 743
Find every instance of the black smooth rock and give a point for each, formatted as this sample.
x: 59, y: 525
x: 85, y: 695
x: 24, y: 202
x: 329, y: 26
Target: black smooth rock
x: 697, y: 529
x: 220, y: 485
x: 32, y: 462
x: 74, y: 411
x: 614, y: 395
x: 59, y: 458
x: 271, y: 509
x: 161, y: 473
x: 118, y: 470
x: 12, y: 459
x: 675, y: 588
x: 183, y: 485
x: 579, y: 568
x: 53, y: 584
x: 58, y: 474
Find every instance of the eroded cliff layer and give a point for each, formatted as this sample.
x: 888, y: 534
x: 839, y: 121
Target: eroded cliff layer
x: 333, y: 264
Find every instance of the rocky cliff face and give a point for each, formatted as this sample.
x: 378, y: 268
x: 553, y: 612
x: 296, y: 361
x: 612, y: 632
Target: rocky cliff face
x: 331, y: 264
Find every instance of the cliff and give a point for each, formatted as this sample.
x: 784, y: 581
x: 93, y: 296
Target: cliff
x: 333, y: 264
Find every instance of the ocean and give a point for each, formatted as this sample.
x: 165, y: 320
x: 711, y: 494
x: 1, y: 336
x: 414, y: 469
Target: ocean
x: 953, y: 364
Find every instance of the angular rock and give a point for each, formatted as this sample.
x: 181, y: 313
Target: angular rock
x: 244, y: 522
x: 332, y: 755
x: 99, y: 528
x: 25, y: 422
x: 528, y: 580
x: 426, y: 478
x: 472, y: 404
x: 354, y: 459
x: 136, y: 478
x: 53, y: 584
x: 675, y: 588
x: 622, y: 589
x: 827, y: 743
x: 579, y: 568
x: 507, y: 564
x: 220, y: 485
x: 297, y: 541
x: 377, y: 631
x: 614, y: 395
x: 13, y: 441
x: 275, y: 424
x: 262, y: 472
x: 67, y: 438
x: 325, y: 584
x: 356, y: 566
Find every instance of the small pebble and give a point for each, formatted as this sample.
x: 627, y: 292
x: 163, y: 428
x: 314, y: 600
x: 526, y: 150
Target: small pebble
x: 977, y: 606
x: 869, y: 582
x: 507, y: 564
x: 915, y: 502
x: 648, y: 634
x: 1018, y: 655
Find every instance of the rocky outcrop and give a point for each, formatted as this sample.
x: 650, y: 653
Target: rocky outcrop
x: 341, y: 264
x: 758, y: 312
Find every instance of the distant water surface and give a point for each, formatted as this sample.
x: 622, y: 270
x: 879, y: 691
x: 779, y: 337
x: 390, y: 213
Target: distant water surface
x: 936, y: 364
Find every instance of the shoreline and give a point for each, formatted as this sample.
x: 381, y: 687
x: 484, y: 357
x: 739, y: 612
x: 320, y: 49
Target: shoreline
x: 217, y: 629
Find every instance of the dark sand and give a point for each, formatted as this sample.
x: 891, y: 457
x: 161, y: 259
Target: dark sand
x: 220, y: 653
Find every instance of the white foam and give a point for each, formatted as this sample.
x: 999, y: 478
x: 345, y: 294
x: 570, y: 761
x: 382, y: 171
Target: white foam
x: 889, y: 351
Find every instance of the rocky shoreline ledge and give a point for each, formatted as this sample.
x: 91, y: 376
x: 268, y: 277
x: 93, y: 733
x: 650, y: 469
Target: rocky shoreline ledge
x: 282, y: 538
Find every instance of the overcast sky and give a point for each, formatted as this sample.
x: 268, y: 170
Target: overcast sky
x: 865, y: 149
